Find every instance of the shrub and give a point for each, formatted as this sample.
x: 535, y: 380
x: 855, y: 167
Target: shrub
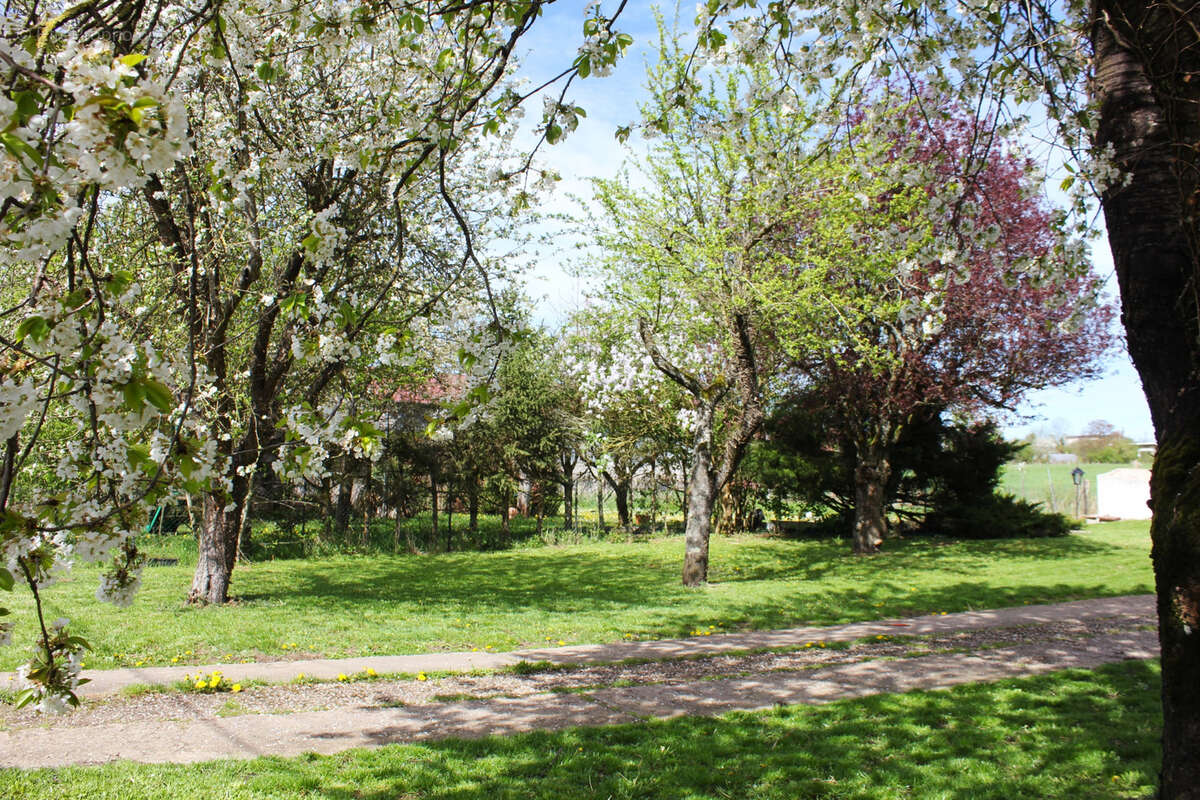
x: 998, y: 516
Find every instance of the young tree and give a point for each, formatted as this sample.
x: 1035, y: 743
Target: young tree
x: 684, y: 257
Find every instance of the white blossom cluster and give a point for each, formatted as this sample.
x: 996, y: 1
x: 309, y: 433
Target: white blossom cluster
x: 115, y: 126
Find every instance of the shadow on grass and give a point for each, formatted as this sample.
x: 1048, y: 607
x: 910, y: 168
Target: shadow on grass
x: 809, y: 583
x: 965, y: 557
x: 1059, y: 736
x: 501, y: 581
x: 1066, y: 735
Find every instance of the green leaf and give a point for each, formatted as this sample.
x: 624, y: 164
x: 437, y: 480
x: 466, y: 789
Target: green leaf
x: 24, y: 698
x: 133, y: 59
x: 28, y: 104
x: 34, y: 327
x: 6, y: 581
x: 134, y: 393
x: 19, y: 147
x: 158, y: 395
x: 444, y: 60
x: 311, y: 242
x: 266, y: 71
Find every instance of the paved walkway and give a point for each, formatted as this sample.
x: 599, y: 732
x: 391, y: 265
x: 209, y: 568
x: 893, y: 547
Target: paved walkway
x: 337, y: 729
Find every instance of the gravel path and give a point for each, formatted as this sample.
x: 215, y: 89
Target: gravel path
x: 711, y: 677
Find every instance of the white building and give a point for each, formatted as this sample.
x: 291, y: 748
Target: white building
x: 1123, y: 493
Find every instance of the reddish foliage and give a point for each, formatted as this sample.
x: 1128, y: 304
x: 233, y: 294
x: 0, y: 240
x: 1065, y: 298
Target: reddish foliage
x: 1003, y: 334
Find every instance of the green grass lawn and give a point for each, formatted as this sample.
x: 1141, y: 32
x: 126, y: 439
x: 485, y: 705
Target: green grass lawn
x: 1051, y: 484
x: 348, y: 606
x: 1069, y: 735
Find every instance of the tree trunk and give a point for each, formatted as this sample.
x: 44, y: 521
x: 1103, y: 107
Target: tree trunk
x: 449, y: 516
x: 653, y: 495
x: 505, y: 534
x: 473, y: 507
x: 568, y: 497
x: 433, y: 505
x: 217, y: 539
x: 1146, y: 61
x: 600, y: 501
x: 702, y: 495
x: 871, y: 470
x: 620, y: 486
x: 342, y: 508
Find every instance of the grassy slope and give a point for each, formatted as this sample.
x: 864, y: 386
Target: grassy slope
x: 1068, y: 735
x: 350, y: 606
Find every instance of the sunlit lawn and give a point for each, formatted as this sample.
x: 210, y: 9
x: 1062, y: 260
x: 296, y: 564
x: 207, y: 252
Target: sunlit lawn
x: 346, y: 606
x: 1065, y: 736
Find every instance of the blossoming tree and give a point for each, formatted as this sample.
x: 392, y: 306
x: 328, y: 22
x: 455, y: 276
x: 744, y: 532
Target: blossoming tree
x: 300, y: 167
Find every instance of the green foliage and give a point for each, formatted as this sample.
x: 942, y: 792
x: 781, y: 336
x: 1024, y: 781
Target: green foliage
x: 998, y: 516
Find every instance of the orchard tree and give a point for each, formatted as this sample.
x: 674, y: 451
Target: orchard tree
x: 632, y: 414
x: 300, y: 166
x: 684, y: 258
x: 980, y: 300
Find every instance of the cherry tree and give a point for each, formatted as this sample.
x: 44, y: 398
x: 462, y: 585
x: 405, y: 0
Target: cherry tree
x: 302, y: 169
x: 684, y: 253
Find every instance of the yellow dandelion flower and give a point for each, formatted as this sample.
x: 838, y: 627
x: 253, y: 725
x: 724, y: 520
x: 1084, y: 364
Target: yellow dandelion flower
x: 341, y: 676
x: 237, y: 687
x: 371, y: 672
x: 421, y: 676
x: 200, y: 684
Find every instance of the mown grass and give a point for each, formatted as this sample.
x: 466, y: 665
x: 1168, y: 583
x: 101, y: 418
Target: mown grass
x: 1069, y: 735
x: 351, y: 606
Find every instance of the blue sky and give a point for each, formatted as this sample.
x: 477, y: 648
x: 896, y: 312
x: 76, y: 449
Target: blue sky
x: 592, y: 151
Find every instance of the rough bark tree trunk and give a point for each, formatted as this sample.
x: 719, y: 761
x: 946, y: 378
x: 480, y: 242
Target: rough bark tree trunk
x: 1149, y: 103
x: 702, y: 495
x: 217, y: 548
x: 600, y: 502
x: 621, y: 486
x: 707, y: 478
x: 342, y: 507
x: 433, y: 505
x: 871, y: 470
x: 568, y: 499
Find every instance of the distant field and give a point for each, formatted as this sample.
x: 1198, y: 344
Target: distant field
x: 1051, y: 484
